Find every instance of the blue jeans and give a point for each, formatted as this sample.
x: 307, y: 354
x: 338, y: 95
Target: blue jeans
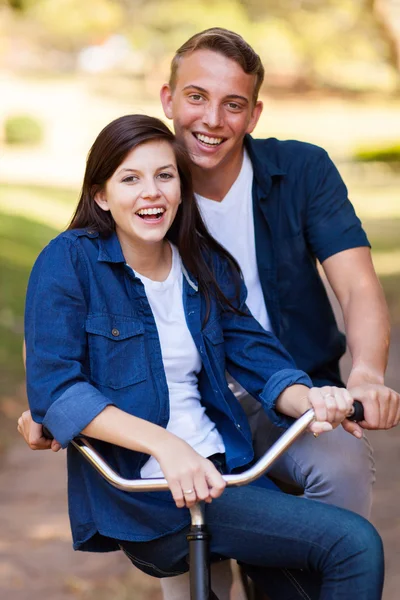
x: 291, y: 551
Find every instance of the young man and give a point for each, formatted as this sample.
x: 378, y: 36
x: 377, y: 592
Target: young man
x: 278, y: 207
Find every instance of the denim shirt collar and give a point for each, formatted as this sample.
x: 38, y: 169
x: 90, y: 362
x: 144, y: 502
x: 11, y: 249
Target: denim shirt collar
x: 110, y: 251
x: 263, y: 167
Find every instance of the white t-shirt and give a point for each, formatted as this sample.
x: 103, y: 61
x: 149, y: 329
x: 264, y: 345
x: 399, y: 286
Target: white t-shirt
x: 182, y: 363
x: 231, y: 223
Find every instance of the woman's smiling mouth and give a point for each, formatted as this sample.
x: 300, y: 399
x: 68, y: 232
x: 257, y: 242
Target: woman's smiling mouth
x: 151, y: 215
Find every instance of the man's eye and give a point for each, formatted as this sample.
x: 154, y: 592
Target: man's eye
x: 234, y: 106
x: 195, y: 97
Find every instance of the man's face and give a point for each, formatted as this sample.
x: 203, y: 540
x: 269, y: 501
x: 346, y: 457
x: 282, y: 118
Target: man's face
x: 212, y: 107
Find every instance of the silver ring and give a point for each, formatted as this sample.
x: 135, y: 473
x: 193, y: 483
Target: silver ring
x: 188, y: 492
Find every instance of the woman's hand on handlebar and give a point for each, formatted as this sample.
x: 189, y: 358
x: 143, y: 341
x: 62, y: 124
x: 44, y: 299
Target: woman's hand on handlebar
x: 331, y: 405
x: 33, y: 434
x: 190, y: 477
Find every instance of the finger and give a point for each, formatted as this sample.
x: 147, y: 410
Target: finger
x: 39, y: 444
x: 397, y: 418
x: 342, y: 404
x: 215, y: 481
x: 201, y: 487
x: 383, y: 400
x: 315, y: 396
x: 55, y: 446
x: 177, y: 493
x: 368, y: 398
x: 353, y: 428
x: 319, y: 427
x: 189, y: 492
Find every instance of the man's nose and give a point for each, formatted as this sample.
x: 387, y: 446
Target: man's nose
x: 213, y: 116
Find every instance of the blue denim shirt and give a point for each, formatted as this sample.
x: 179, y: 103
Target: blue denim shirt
x: 301, y: 214
x: 92, y: 341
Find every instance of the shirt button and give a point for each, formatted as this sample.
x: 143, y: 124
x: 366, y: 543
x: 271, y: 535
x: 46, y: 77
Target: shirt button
x: 238, y: 426
x: 115, y: 332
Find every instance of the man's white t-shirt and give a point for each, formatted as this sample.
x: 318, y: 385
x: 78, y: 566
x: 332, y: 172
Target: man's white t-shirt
x: 231, y: 223
x: 182, y: 363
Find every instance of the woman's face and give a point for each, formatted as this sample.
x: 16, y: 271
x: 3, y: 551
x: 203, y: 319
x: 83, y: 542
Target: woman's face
x: 143, y: 195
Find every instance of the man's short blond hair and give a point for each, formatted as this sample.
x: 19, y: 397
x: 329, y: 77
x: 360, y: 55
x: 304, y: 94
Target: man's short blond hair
x: 227, y: 43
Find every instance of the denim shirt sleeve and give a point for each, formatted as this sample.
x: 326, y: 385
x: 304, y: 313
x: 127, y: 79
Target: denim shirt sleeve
x: 331, y: 222
x: 59, y: 393
x: 256, y: 358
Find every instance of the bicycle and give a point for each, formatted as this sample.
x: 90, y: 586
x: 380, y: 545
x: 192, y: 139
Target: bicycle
x: 198, y: 536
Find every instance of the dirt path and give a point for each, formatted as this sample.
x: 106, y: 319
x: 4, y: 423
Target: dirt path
x: 36, y: 559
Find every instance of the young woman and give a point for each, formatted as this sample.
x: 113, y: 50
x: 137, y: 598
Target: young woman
x: 132, y: 317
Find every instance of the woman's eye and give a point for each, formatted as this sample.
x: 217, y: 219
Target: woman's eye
x: 165, y: 176
x: 130, y: 179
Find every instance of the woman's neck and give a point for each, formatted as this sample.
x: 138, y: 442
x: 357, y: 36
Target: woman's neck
x: 154, y: 261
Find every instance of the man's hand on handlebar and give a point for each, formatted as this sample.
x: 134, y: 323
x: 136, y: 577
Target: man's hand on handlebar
x: 381, y: 405
x: 33, y: 434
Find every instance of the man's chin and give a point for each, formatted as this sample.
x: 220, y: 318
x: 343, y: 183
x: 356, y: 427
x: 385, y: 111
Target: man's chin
x: 205, y: 162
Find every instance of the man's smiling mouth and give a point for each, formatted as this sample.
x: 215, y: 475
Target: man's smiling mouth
x: 208, y: 140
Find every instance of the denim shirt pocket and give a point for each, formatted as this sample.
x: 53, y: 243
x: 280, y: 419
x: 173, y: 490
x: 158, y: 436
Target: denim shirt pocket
x: 214, y: 334
x: 116, y: 350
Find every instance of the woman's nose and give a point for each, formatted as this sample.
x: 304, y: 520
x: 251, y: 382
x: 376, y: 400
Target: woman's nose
x: 150, y: 189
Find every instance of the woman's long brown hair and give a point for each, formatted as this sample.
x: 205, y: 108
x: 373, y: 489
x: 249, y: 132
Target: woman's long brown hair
x: 188, y: 231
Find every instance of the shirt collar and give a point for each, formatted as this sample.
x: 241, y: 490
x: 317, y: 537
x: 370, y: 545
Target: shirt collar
x: 110, y: 249
x: 264, y: 168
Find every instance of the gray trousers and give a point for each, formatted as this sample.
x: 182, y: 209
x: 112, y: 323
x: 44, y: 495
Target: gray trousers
x: 335, y: 468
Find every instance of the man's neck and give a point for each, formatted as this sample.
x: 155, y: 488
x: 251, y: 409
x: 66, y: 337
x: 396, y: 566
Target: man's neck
x: 214, y: 184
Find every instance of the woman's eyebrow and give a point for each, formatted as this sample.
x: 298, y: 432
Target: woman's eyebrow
x: 171, y: 166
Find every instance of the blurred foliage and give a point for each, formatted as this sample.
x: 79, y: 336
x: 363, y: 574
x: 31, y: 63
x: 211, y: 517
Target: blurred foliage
x: 303, y: 43
x: 387, y: 154
x: 384, y: 235
x: 23, y: 130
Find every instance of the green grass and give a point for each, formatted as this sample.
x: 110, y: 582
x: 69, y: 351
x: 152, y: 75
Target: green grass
x: 21, y: 240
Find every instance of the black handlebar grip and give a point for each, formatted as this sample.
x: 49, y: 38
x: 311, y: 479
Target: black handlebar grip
x: 47, y: 434
x: 358, y: 412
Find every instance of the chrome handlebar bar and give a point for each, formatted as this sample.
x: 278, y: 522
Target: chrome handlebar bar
x: 152, y: 485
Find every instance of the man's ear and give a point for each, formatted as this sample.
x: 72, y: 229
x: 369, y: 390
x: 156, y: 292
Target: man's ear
x: 257, y: 110
x: 166, y: 100
x: 101, y: 199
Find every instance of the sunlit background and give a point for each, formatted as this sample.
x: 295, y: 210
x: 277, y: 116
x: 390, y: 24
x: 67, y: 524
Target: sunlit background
x: 69, y: 67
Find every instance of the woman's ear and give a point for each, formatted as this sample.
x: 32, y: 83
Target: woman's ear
x: 101, y: 199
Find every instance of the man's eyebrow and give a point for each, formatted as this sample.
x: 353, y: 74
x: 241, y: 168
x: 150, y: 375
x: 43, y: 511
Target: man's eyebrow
x: 204, y: 91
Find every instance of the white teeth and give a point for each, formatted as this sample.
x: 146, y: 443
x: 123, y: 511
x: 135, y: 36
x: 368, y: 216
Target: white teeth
x: 150, y: 211
x: 213, y: 141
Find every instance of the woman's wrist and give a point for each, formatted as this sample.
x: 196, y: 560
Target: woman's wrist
x: 293, y: 401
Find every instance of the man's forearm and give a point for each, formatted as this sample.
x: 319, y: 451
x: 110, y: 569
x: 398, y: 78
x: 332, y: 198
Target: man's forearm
x: 367, y: 325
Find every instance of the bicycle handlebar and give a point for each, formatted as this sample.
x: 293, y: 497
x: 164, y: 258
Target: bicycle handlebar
x: 255, y: 471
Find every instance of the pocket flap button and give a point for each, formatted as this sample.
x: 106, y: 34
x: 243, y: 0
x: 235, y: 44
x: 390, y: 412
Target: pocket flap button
x: 115, y: 332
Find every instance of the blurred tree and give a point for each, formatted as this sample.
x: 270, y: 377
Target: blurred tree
x: 334, y: 43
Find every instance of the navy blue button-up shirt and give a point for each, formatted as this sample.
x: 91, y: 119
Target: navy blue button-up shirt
x: 92, y: 341
x: 301, y: 214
